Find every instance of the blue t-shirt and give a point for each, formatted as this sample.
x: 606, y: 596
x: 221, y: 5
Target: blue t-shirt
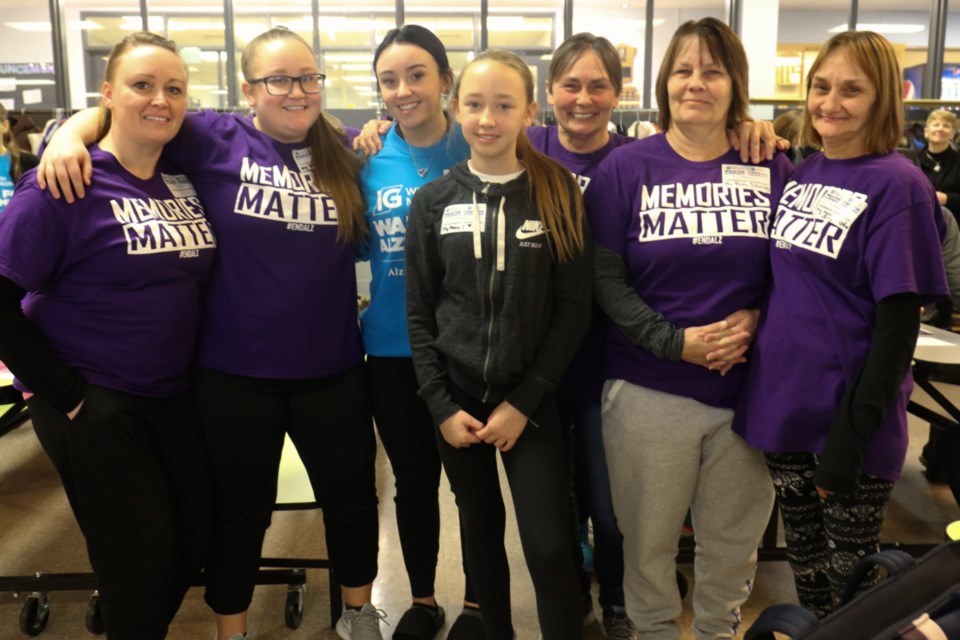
x: 6, y: 184
x: 388, y: 181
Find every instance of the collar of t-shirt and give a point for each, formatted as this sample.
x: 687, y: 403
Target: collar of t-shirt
x: 496, y: 179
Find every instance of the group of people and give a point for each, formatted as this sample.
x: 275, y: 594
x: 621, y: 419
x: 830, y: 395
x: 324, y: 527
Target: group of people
x: 749, y: 322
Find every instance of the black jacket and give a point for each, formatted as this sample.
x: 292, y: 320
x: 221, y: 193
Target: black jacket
x: 492, y: 311
x: 943, y: 170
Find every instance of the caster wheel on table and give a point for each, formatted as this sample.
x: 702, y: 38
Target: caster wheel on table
x: 94, y: 617
x: 293, y: 609
x: 35, y: 614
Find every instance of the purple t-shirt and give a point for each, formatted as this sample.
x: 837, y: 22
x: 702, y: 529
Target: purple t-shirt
x: 282, y: 300
x: 694, y: 238
x: 583, y: 380
x: 115, y: 279
x: 848, y: 233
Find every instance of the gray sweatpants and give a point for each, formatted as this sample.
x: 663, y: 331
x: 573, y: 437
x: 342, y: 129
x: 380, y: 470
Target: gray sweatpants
x: 665, y: 454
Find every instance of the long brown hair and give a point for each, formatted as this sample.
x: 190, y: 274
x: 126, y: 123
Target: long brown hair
x: 132, y: 41
x: 12, y: 148
x: 335, y: 168
x: 878, y: 60
x: 552, y: 187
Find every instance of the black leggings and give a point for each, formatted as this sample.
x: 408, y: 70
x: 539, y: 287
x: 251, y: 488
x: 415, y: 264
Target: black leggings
x: 536, y: 469
x: 407, y: 433
x: 136, y: 475
x: 244, y: 420
x: 825, y: 538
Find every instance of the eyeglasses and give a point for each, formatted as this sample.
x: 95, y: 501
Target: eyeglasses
x: 283, y: 85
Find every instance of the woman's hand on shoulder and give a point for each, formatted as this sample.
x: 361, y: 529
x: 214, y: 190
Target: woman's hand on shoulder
x: 504, y: 427
x: 460, y: 430
x: 756, y: 141
x: 65, y: 168
x: 369, y: 141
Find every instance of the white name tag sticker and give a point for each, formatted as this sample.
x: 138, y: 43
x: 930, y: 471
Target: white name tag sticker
x: 839, y: 206
x: 747, y: 177
x: 458, y: 218
x: 179, y: 185
x: 303, y: 159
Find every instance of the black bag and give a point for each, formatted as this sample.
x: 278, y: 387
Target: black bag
x: 885, y: 612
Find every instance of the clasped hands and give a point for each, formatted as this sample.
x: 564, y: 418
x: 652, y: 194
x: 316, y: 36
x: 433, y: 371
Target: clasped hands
x: 501, y: 430
x: 721, y: 345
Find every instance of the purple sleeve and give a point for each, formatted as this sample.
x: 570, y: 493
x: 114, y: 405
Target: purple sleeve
x: 608, y: 207
x: 903, y: 250
x: 187, y: 150
x: 32, y: 238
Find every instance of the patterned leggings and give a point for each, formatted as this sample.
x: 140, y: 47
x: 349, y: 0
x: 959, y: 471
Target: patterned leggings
x: 825, y: 538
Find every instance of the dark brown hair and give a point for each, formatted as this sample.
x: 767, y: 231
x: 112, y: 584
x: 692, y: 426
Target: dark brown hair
x: 876, y: 58
x: 557, y: 196
x: 335, y: 168
x: 12, y: 148
x: 132, y: 41
x: 726, y: 50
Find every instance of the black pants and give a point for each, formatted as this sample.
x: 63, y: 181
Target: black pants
x: 135, y: 472
x: 825, y: 537
x: 407, y: 433
x: 539, y: 482
x: 244, y: 420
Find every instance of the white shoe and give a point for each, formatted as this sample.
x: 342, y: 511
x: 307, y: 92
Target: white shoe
x: 361, y: 625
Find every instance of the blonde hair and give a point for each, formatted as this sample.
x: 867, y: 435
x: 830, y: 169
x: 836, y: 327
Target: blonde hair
x: 876, y: 58
x: 16, y: 169
x: 948, y: 117
x: 551, y: 185
x: 335, y: 168
x: 132, y: 41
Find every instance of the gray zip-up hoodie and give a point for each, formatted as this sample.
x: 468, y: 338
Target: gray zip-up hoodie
x: 488, y: 307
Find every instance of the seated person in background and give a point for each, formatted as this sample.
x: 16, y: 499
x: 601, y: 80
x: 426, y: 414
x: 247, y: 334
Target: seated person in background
x: 939, y: 161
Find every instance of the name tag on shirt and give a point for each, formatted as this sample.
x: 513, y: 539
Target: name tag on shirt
x: 304, y: 160
x: 179, y: 185
x: 839, y: 206
x: 458, y: 218
x: 747, y: 177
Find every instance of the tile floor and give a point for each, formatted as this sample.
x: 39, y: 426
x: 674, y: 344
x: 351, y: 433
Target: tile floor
x: 38, y: 533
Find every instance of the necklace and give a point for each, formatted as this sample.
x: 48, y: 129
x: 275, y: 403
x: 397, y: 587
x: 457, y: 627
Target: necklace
x: 936, y: 163
x: 421, y: 172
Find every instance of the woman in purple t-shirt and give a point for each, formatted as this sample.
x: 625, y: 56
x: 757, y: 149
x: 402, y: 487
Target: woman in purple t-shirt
x: 279, y: 349
x: 854, y: 253
x: 681, y: 224
x: 111, y: 294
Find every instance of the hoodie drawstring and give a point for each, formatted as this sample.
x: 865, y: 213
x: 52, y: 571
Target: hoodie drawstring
x: 501, y: 236
x: 477, y: 245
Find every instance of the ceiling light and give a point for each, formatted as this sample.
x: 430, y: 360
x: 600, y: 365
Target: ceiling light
x: 893, y: 27
x: 44, y: 27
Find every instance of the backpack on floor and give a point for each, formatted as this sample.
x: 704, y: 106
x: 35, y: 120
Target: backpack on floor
x: 919, y: 600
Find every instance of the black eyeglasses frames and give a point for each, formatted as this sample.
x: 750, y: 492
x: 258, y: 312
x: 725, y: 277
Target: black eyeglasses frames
x: 279, y: 85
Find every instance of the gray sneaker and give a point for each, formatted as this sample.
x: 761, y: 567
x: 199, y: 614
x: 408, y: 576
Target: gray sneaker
x: 617, y: 626
x: 361, y: 625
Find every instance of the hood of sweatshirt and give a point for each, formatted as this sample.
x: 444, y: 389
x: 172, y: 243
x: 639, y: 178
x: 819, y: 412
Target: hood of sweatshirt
x: 489, y: 192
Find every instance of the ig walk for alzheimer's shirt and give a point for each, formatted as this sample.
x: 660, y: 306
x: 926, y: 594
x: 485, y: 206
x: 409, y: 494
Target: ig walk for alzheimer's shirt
x: 115, y: 279
x: 847, y: 234
x: 282, y: 299
x: 694, y: 237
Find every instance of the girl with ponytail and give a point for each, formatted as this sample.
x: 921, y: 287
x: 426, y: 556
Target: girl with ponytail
x: 13, y: 160
x: 499, y: 275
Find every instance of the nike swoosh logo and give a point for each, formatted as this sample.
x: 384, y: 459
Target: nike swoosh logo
x: 523, y: 235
